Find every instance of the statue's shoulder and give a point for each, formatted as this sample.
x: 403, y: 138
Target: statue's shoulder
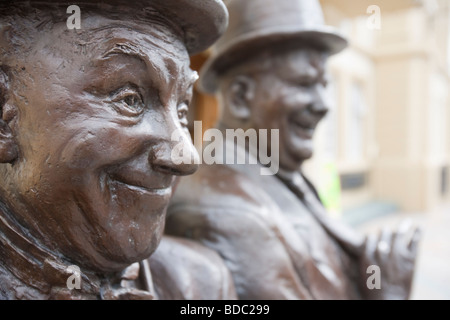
x: 219, y: 188
x: 219, y: 200
x: 186, y: 270
x: 11, y: 288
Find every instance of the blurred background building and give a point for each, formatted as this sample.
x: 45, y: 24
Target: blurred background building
x: 390, y: 124
x: 386, y: 139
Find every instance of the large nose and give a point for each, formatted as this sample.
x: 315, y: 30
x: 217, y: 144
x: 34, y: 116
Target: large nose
x: 163, y: 156
x: 321, y: 102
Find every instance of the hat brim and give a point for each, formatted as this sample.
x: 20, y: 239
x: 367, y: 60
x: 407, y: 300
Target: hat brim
x: 325, y: 38
x: 202, y: 21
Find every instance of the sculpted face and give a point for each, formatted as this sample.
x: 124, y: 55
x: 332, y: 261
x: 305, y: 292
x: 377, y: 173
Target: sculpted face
x: 94, y: 116
x: 290, y: 96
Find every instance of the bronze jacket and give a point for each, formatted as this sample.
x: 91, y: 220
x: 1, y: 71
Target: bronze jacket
x: 276, y: 245
x: 179, y: 269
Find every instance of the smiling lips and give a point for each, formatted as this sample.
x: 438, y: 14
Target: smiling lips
x: 304, y: 127
x: 157, y: 185
x: 154, y: 191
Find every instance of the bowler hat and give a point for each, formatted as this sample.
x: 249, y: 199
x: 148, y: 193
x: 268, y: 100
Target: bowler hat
x: 201, y: 21
x: 259, y: 24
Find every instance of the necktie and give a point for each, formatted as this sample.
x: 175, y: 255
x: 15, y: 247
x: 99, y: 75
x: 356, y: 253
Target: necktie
x: 347, y: 238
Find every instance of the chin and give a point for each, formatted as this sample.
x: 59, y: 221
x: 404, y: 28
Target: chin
x: 129, y: 258
x: 301, y: 153
x: 304, y: 155
x: 292, y: 161
x: 120, y: 260
x: 142, y: 246
x: 112, y: 251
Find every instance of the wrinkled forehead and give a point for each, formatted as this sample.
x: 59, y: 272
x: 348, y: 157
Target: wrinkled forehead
x: 146, y: 33
x: 100, y: 34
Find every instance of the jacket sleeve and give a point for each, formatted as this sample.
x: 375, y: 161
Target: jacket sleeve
x: 249, y: 244
x: 185, y: 270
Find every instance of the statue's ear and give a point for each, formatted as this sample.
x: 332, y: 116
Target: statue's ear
x: 240, y: 94
x: 8, y: 147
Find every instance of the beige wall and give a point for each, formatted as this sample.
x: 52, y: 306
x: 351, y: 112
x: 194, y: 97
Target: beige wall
x: 403, y: 72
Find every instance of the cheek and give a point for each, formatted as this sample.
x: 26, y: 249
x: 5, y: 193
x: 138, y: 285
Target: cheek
x: 107, y: 144
x: 267, y: 111
x: 296, y: 100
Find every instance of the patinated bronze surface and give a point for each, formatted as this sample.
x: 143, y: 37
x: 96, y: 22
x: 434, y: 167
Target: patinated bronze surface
x: 273, y: 232
x: 85, y: 142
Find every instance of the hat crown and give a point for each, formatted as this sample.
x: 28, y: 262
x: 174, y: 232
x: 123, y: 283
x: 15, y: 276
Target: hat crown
x: 251, y: 17
x: 256, y: 25
x: 201, y: 21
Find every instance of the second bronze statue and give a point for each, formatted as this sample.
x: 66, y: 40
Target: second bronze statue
x: 269, y: 72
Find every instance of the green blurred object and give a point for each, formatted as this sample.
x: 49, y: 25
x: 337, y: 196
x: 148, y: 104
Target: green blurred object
x: 330, y: 188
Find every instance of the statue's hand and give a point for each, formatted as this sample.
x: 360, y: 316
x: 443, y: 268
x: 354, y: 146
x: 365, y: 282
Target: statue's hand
x: 393, y: 254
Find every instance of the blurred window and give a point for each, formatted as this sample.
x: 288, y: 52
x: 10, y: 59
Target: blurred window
x: 356, y: 114
x: 331, y: 121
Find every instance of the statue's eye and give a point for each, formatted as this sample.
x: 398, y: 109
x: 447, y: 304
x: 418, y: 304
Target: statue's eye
x: 132, y: 101
x: 128, y: 102
x: 183, y: 110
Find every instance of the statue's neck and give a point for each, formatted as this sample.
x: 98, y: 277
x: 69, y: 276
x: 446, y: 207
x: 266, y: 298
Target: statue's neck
x: 28, y: 261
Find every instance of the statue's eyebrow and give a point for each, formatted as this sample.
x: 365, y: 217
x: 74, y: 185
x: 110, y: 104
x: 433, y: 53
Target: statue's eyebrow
x: 126, y: 49
x: 130, y: 50
x: 190, y: 82
x: 193, y: 79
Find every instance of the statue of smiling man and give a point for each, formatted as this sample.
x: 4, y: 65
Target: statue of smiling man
x: 269, y: 74
x: 86, y: 118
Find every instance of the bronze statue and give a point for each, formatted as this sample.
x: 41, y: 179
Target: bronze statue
x: 86, y: 117
x: 273, y: 232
